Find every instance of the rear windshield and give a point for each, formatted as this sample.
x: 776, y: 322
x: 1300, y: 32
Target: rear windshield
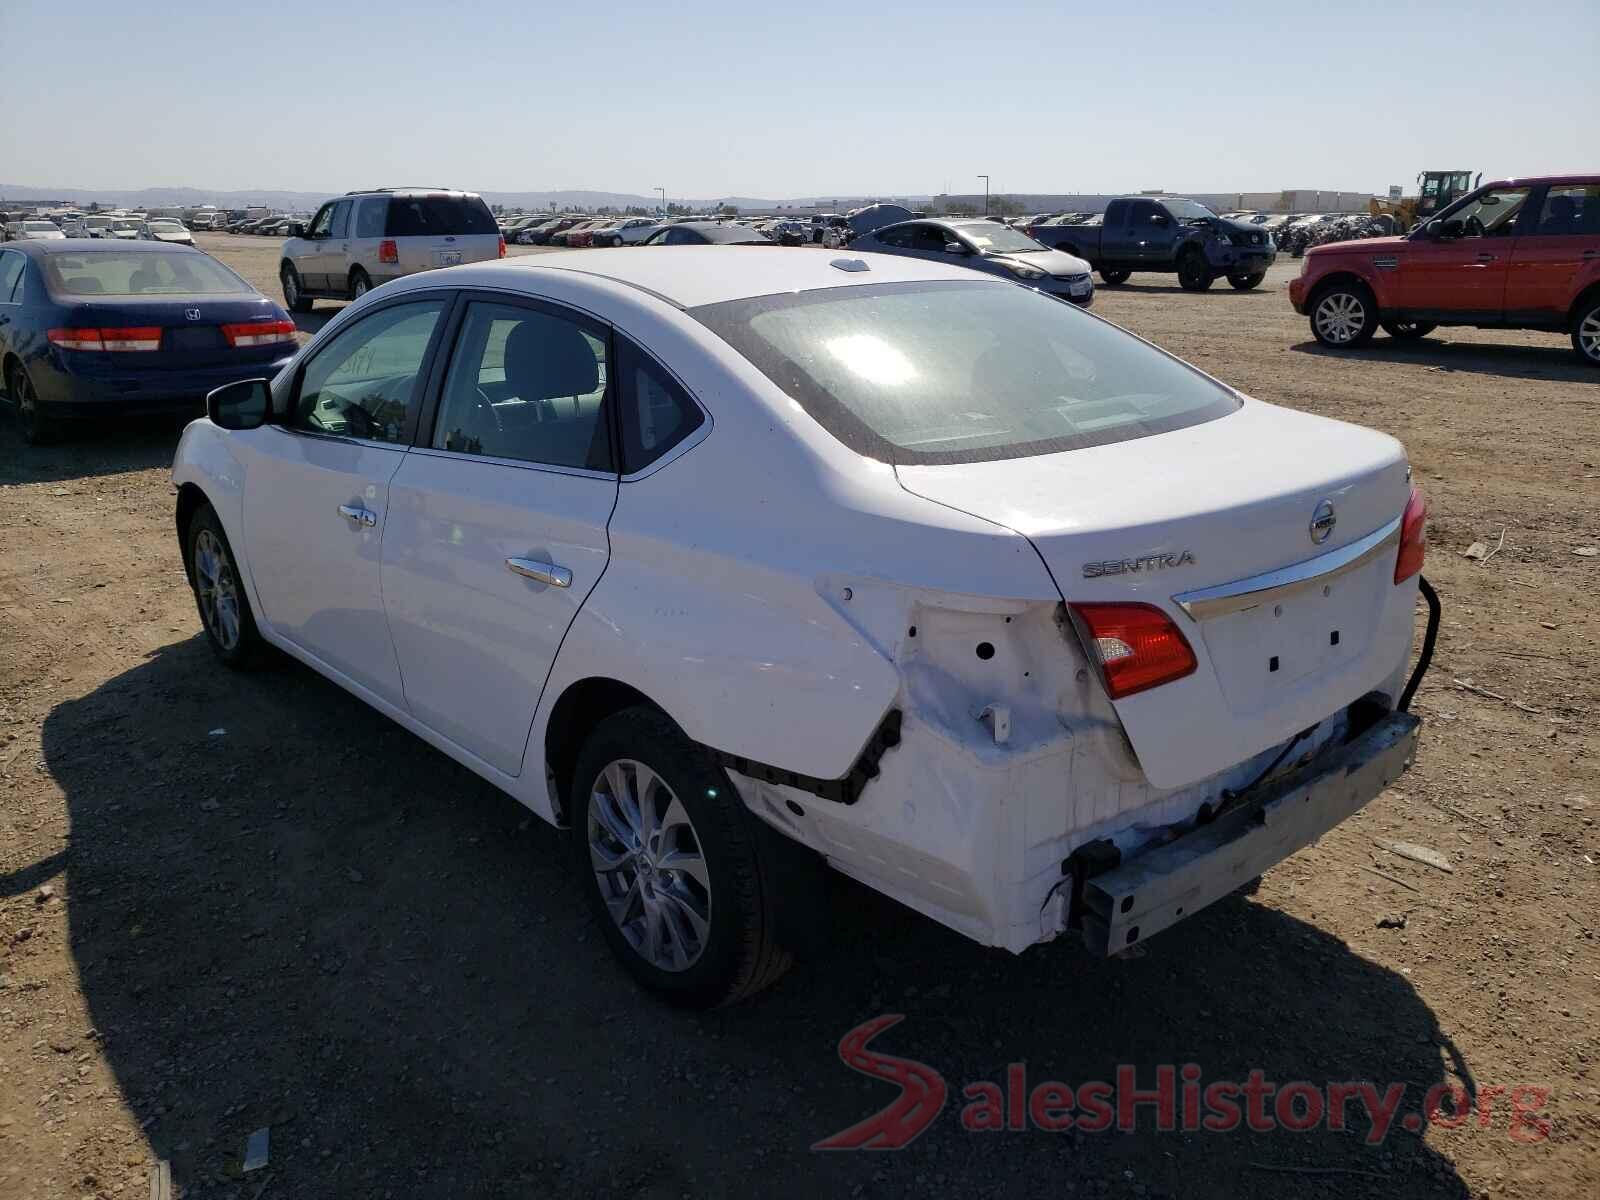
x: 150, y: 274
x: 962, y: 372
x: 437, y: 216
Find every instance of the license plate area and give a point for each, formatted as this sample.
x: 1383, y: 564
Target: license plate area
x: 1262, y: 653
x: 447, y: 258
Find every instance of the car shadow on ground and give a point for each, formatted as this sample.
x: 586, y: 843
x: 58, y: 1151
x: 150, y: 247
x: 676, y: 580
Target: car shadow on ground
x: 1554, y: 361
x: 1220, y: 287
x: 89, y: 450
x: 286, y: 911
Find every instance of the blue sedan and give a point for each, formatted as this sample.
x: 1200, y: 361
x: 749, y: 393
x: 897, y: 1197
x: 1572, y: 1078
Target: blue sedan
x: 100, y: 328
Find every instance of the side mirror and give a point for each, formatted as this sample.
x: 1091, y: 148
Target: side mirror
x: 243, y: 405
x: 1160, y: 219
x: 296, y: 229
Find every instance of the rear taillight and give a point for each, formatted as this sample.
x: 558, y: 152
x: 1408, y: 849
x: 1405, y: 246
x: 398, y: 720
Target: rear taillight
x: 1136, y: 646
x: 258, y: 333
x: 142, y: 337
x: 1413, y: 537
x: 502, y: 245
x: 388, y: 252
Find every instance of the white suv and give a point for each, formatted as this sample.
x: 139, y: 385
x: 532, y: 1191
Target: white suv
x: 737, y: 562
x: 364, y: 239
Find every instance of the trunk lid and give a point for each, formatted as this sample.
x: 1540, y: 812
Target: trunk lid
x: 1202, y: 509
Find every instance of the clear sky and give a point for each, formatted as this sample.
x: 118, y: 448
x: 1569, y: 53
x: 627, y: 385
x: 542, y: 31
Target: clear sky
x: 820, y: 97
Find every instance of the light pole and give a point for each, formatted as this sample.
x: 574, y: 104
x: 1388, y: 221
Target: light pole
x: 663, y: 192
x: 985, y: 179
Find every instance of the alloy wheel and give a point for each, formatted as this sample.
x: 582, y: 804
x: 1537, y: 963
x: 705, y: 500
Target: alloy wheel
x: 216, y: 589
x: 1340, y: 317
x: 1589, y: 335
x: 649, y: 864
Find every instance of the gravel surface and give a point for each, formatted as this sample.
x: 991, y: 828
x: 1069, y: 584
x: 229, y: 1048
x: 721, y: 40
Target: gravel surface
x: 233, y: 902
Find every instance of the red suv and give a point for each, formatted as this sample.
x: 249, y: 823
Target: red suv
x: 1516, y: 254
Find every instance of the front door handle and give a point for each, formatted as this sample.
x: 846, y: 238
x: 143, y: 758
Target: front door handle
x: 543, y: 572
x: 360, y: 516
x: 1486, y: 257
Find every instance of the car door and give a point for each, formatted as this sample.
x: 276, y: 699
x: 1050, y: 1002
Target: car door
x: 1464, y: 273
x: 11, y: 266
x: 497, y: 519
x: 316, y: 488
x: 1557, y: 254
x: 312, y: 259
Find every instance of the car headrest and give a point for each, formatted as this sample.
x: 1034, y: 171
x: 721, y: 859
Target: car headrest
x: 547, y: 358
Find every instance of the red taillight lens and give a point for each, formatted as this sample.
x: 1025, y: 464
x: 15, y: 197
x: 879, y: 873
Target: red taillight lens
x: 258, y: 333
x: 388, y: 252
x: 502, y: 245
x: 142, y: 337
x: 1413, y: 537
x: 1136, y: 645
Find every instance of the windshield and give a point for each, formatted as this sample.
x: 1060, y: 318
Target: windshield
x: 731, y: 233
x: 962, y: 372
x: 994, y: 238
x: 166, y: 222
x: 125, y: 225
x: 1188, y: 210
x: 169, y: 271
x: 39, y: 227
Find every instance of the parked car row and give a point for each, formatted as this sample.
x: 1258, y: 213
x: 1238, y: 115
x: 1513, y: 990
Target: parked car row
x: 130, y: 229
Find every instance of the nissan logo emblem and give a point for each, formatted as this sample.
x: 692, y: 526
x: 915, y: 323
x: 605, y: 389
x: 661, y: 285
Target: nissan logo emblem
x: 1322, y: 522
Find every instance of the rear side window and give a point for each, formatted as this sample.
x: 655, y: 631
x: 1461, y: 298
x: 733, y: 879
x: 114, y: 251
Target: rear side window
x: 1570, y: 210
x: 438, y: 216
x: 930, y: 373
x: 369, y: 218
x: 657, y: 414
x: 11, y: 277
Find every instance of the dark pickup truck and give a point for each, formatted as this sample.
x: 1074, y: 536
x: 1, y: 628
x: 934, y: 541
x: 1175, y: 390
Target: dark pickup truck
x: 1148, y: 233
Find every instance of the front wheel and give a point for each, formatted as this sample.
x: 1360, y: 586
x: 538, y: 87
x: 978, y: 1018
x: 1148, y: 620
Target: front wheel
x: 668, y: 859
x: 219, y: 594
x: 294, y: 295
x: 1344, y: 315
x: 360, y: 285
x: 1114, y: 277
x: 1586, y: 332
x: 1243, y: 283
x: 1194, y: 273
x: 1408, y: 330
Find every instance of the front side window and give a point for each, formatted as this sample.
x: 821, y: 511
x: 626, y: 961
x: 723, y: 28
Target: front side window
x: 324, y: 218
x: 529, y: 385
x: 363, y: 383
x: 962, y: 372
x: 1493, y: 214
x: 1569, y: 210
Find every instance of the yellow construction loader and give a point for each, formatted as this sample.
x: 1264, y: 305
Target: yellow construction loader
x: 1435, y: 189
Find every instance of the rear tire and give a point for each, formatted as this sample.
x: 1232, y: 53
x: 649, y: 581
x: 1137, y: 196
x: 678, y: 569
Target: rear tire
x: 219, y: 593
x: 1586, y: 331
x: 1114, y: 277
x: 1243, y: 283
x: 673, y: 876
x: 294, y: 292
x: 1194, y: 273
x: 1344, y: 315
x: 1408, y: 330
x: 36, y: 427
x: 360, y: 284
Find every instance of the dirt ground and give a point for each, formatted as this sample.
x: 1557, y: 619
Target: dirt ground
x: 234, y: 902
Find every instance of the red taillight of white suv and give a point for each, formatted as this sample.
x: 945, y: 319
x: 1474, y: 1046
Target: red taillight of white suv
x: 502, y: 253
x: 1136, y: 646
x: 388, y: 251
x: 1413, y: 537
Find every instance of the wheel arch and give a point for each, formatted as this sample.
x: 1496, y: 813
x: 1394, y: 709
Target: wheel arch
x: 1584, y: 298
x: 1341, y: 277
x: 190, y: 499
x: 583, y: 705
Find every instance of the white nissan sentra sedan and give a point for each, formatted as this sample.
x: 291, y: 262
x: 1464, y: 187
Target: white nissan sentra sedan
x: 737, y: 561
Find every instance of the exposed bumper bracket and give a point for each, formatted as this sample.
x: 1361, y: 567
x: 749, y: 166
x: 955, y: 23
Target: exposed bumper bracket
x: 842, y: 791
x: 1129, y: 903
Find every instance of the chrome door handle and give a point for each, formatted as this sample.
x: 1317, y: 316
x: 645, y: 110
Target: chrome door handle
x: 359, y: 515
x: 1487, y: 257
x: 1591, y: 253
x: 543, y: 572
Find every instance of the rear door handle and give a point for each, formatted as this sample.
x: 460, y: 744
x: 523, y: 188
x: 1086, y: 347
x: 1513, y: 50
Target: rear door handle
x: 360, y: 516
x: 1487, y: 257
x: 543, y: 572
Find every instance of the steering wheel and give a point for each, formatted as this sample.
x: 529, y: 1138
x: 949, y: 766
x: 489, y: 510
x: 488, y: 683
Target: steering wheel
x: 485, y: 405
x: 1474, y: 227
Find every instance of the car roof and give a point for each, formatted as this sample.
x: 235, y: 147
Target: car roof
x: 689, y: 276
x: 93, y: 246
x: 1537, y: 180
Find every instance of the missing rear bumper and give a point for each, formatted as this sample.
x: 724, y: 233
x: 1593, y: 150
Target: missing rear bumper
x: 1137, y: 899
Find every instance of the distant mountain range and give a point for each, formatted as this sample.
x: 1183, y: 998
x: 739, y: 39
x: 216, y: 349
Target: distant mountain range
x: 189, y: 197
